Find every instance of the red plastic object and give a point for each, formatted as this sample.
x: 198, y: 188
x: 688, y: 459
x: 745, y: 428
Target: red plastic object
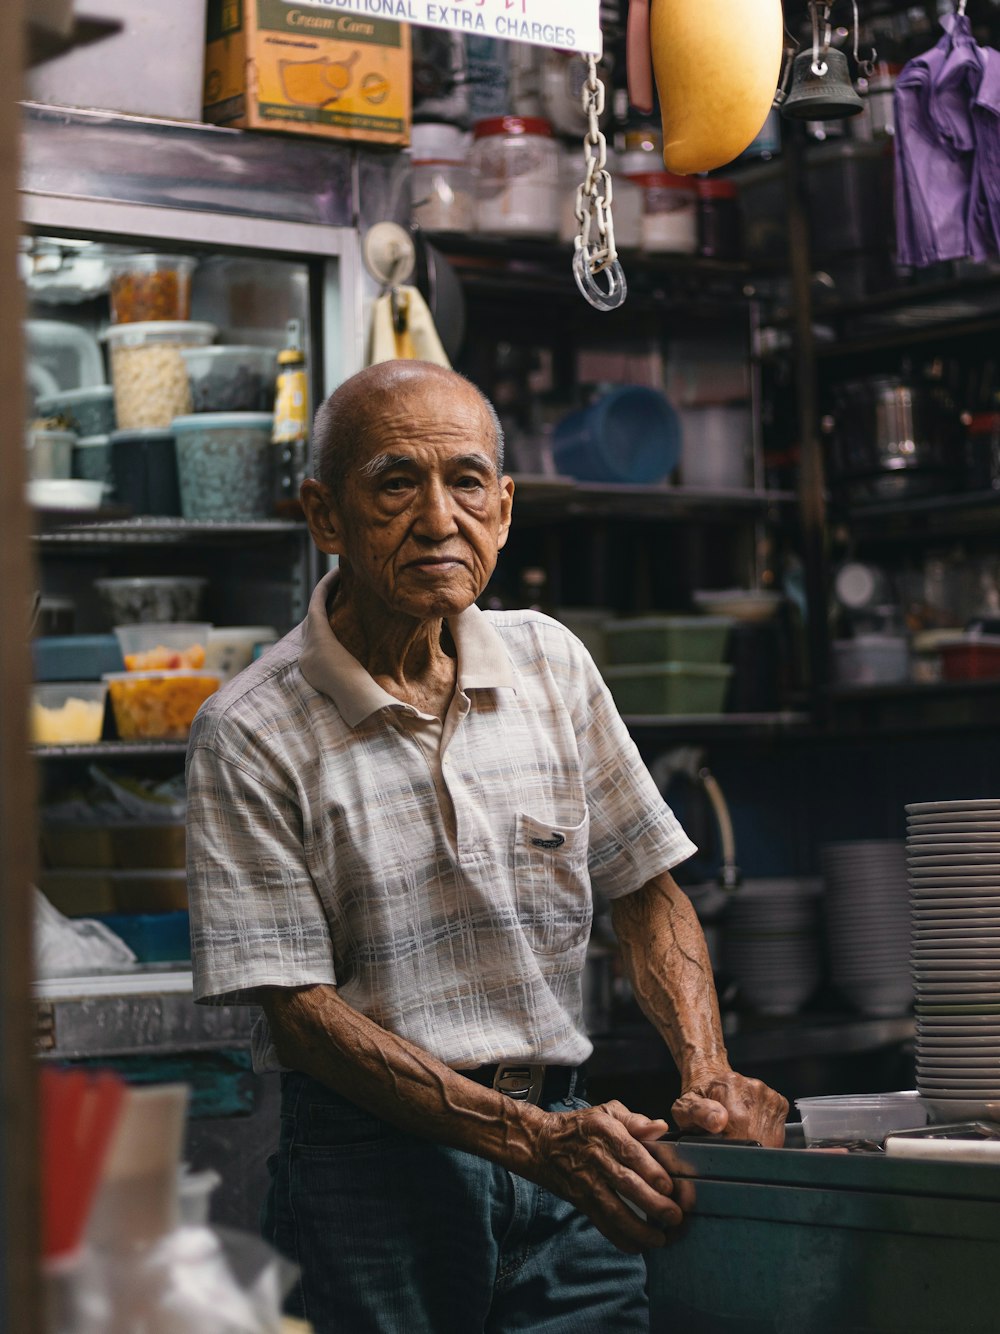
x: 79, y: 1113
x: 971, y: 660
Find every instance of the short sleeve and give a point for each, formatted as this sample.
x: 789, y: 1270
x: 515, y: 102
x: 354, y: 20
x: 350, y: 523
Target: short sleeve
x: 634, y: 834
x: 256, y: 919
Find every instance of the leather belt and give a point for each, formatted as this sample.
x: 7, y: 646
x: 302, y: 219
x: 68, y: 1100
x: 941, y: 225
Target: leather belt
x: 527, y: 1082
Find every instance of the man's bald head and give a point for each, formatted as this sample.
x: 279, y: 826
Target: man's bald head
x: 342, y: 428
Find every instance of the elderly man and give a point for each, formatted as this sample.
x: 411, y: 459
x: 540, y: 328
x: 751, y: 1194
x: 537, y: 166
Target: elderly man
x: 397, y: 817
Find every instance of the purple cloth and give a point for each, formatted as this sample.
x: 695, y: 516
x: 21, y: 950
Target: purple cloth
x: 947, y: 150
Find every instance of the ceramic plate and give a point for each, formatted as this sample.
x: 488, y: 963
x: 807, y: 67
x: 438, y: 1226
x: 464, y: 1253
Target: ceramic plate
x: 928, y: 824
x: 955, y: 854
x: 946, y: 1026
x: 953, y: 809
x: 934, y: 1044
x: 934, y: 834
x: 942, y: 1110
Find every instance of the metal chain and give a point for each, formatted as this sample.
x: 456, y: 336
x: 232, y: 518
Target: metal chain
x: 595, y: 251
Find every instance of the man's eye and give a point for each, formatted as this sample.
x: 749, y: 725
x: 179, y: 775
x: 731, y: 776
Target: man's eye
x: 395, y: 484
x: 470, y: 483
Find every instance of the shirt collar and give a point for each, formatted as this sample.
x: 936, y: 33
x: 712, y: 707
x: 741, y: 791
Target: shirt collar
x: 483, y: 663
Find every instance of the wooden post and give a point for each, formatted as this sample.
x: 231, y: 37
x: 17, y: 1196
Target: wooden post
x: 19, y: 1178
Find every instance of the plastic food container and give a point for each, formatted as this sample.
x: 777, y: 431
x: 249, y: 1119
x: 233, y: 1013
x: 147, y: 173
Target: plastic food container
x: 629, y: 435
x: 718, y: 219
x: 179, y: 646
x: 144, y: 466
x: 516, y: 164
x: 92, y: 461
x: 230, y: 378
x: 741, y: 604
x: 50, y: 453
x: 443, y: 185
x: 88, y: 412
x: 64, y: 493
x: 970, y: 658
x: 225, y: 466
x: 231, y: 647
x: 158, y: 706
x: 151, y: 287
x: 669, y: 213
x: 75, y: 657
x: 650, y: 639
x: 159, y: 601
x: 669, y: 687
x: 148, y: 373
x: 153, y: 937
x: 715, y: 447
x: 869, y: 660
x: 71, y: 713
x: 859, y: 1117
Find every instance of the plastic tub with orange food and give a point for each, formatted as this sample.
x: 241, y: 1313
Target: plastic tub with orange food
x: 159, y: 705
x: 168, y: 646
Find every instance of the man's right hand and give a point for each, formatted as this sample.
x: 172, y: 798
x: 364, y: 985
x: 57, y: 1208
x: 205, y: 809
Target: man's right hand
x: 596, y: 1159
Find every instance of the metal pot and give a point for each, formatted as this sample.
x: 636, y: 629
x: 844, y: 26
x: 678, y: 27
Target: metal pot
x: 885, y: 431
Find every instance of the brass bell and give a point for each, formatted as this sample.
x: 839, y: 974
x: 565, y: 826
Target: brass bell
x: 821, y: 87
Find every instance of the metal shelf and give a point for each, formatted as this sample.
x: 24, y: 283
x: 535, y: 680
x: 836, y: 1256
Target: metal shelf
x: 59, y: 531
x: 963, y: 513
x: 108, y: 750
x: 719, y: 726
x: 562, y: 497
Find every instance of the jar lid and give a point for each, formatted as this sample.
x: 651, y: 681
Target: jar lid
x: 159, y: 331
x: 512, y: 125
x: 212, y: 421
x: 717, y: 189
x: 664, y: 180
x: 434, y: 141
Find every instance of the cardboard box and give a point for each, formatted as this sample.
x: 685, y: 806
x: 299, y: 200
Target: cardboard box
x: 280, y: 65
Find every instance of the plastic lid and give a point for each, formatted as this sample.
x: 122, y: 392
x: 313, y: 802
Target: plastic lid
x: 160, y: 331
x: 434, y: 141
x: 230, y: 350
x: 717, y: 189
x: 163, y: 672
x: 83, y: 441
x: 512, y: 125
x: 151, y: 263
x: 210, y: 421
x: 141, y: 433
x: 75, y: 395
x: 291, y: 356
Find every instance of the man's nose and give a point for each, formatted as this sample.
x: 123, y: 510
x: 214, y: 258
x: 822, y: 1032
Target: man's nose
x: 436, y: 513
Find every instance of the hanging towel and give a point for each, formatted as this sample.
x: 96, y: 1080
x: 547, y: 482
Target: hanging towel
x: 411, y: 337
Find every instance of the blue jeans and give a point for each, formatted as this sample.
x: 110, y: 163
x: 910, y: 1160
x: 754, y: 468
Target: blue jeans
x: 396, y: 1235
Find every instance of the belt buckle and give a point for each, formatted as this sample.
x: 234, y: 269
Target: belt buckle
x: 521, y: 1082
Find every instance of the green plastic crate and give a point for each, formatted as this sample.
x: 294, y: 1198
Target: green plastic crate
x: 660, y: 639
x: 669, y: 687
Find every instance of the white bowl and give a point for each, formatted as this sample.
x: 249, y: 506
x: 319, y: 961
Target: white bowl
x: 64, y: 493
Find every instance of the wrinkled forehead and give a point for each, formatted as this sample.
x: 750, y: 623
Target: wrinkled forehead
x: 424, y: 420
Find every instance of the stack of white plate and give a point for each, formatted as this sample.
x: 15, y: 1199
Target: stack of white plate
x: 953, y: 855
x: 771, y: 943
x: 868, y: 924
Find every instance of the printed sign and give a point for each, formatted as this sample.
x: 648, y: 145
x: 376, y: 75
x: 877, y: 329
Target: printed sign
x: 570, y: 25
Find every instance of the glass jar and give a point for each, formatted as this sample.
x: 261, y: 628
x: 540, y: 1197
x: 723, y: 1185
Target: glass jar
x: 444, y: 198
x: 669, y: 213
x: 718, y: 220
x: 516, y: 164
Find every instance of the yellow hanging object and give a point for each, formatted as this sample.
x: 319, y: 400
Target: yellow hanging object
x: 403, y: 330
x: 717, y: 64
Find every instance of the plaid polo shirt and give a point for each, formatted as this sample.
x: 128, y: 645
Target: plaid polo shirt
x: 445, y: 889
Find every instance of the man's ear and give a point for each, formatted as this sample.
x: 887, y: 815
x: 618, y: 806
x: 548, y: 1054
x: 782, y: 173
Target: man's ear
x: 323, y: 516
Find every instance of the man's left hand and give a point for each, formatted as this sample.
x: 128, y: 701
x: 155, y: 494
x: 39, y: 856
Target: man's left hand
x: 728, y: 1104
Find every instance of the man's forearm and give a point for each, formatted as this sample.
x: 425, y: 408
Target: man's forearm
x: 664, y: 951
x: 318, y: 1033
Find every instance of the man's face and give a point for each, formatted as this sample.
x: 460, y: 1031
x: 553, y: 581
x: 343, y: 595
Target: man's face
x: 423, y: 515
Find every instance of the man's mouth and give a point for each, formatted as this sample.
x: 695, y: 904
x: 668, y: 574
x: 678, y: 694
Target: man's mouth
x: 434, y: 563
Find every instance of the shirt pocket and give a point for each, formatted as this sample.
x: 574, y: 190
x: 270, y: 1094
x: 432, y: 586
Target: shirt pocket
x: 552, y: 883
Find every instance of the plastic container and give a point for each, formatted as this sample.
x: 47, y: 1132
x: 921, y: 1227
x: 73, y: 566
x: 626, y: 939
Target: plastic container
x: 153, y: 937
x: 718, y: 219
x: 740, y: 604
x: 230, y: 378
x: 669, y: 213
x: 158, y: 706
x: 148, y: 373
x: 151, y: 287
x: 64, y: 493
x: 715, y: 446
x: 71, y: 713
x: 75, y: 657
x: 224, y: 465
x: 160, y: 600
x: 629, y: 435
x: 869, y: 660
x: 50, y: 453
x: 144, y: 467
x: 970, y: 658
x: 61, y: 356
x: 649, y: 639
x: 176, y: 646
x: 92, y: 461
x: 443, y: 189
x: 231, y: 647
x: 850, y: 1118
x: 88, y: 412
x: 669, y: 687
x: 516, y: 163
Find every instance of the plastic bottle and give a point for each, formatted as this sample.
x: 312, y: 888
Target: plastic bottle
x: 290, y: 433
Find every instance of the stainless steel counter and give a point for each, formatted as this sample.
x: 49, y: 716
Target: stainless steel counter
x: 797, y: 1241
